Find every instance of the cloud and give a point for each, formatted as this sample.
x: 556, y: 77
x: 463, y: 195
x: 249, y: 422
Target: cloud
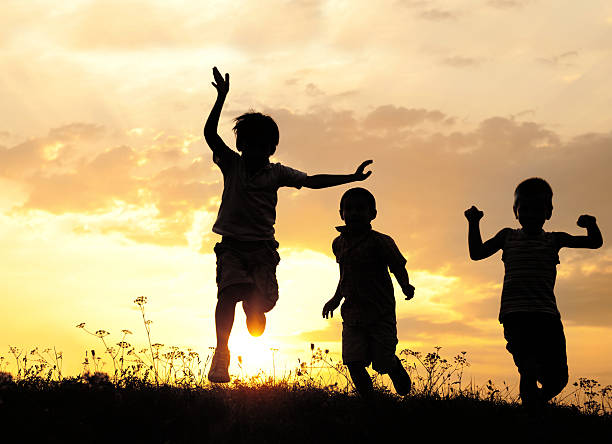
x: 438, y: 15
x: 425, y: 173
x: 564, y: 60
x: 461, y: 61
x: 508, y: 4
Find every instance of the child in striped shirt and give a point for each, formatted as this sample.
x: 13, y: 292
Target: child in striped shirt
x: 528, y: 312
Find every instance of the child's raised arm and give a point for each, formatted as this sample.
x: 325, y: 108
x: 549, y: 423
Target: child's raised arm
x: 214, y: 141
x: 593, y: 239
x: 331, y: 180
x: 478, y: 249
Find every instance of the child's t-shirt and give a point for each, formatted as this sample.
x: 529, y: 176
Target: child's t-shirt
x: 248, y: 204
x: 365, y: 283
x: 530, y: 264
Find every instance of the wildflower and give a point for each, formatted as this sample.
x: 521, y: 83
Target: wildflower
x: 141, y: 300
x: 81, y: 325
x: 126, y: 332
x: 102, y: 333
x: 157, y: 345
x: 123, y: 344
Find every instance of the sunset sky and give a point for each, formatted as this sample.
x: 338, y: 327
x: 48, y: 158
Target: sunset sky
x: 109, y: 191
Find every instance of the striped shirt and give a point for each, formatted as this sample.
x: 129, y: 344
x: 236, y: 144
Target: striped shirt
x: 530, y: 271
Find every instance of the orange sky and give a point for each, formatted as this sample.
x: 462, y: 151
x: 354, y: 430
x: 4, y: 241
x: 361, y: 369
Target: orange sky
x: 109, y: 192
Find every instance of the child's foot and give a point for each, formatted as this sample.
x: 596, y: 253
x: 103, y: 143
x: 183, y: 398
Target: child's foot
x: 219, y: 367
x: 400, y: 378
x: 255, y: 319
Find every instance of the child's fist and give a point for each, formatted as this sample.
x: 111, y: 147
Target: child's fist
x: 473, y: 214
x: 585, y: 221
x: 408, y: 291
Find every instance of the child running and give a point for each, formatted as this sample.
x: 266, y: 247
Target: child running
x: 247, y: 254
x: 528, y: 312
x: 369, y: 331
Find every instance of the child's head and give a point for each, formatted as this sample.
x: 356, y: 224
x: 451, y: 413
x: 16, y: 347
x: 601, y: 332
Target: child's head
x: 357, y: 207
x: 533, y: 203
x: 256, y: 134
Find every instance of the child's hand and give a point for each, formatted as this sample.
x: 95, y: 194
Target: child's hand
x: 359, y: 174
x: 408, y: 291
x: 473, y: 214
x: 222, y: 84
x: 329, y: 307
x: 585, y: 221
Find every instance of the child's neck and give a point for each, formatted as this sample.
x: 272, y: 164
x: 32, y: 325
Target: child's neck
x: 255, y: 164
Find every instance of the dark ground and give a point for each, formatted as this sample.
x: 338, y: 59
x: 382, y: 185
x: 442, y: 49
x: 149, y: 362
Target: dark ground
x: 74, y: 411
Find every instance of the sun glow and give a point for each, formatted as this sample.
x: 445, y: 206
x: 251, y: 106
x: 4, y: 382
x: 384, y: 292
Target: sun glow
x: 251, y: 355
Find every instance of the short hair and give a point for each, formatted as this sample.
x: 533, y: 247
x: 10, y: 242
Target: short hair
x: 359, y: 192
x: 532, y: 187
x: 257, y: 127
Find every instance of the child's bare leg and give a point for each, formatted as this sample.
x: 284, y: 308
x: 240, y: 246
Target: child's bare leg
x: 224, y: 313
x: 529, y: 390
x: 361, y: 379
x: 552, y: 385
x: 224, y: 321
x: 400, y: 378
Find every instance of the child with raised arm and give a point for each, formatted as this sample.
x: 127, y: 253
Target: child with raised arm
x: 528, y: 312
x: 247, y: 254
x: 369, y: 331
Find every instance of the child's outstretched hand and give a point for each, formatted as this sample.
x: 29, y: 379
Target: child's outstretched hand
x: 408, y: 291
x: 473, y: 214
x: 222, y: 84
x: 585, y: 221
x: 359, y: 174
x: 329, y: 307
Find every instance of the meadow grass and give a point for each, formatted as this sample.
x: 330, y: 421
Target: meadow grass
x: 161, y: 394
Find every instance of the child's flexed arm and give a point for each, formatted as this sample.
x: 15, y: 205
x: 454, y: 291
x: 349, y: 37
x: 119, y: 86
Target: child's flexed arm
x: 478, y: 249
x: 216, y: 144
x: 334, y: 302
x: 401, y: 275
x: 593, y: 239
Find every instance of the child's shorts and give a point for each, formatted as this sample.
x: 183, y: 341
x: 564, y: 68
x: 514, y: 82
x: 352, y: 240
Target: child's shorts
x: 374, y: 343
x: 252, y: 263
x: 537, y: 344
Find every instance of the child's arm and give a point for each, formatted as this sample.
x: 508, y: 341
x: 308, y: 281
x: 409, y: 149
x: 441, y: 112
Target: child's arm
x: 334, y: 302
x: 478, y: 249
x: 331, y: 180
x: 402, y: 279
x: 593, y: 239
x: 216, y: 144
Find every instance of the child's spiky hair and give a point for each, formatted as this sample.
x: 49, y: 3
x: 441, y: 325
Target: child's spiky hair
x: 534, y: 186
x: 358, y: 192
x: 254, y: 127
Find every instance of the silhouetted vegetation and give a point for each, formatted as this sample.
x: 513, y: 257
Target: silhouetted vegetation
x: 160, y: 394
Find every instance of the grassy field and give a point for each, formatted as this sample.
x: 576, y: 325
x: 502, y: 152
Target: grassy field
x: 160, y: 395
x: 95, y: 410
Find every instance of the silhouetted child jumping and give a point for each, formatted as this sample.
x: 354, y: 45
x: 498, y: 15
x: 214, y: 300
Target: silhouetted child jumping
x: 247, y: 254
x: 529, y: 314
x: 369, y: 331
